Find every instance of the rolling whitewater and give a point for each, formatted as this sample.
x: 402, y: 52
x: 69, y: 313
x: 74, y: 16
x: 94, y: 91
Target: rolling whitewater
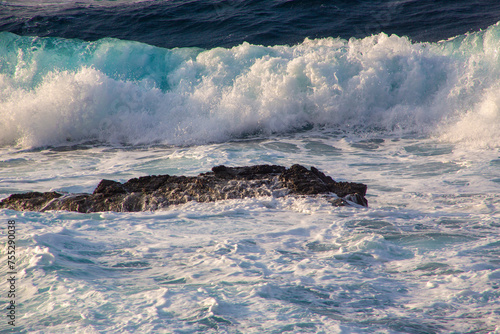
x: 402, y: 96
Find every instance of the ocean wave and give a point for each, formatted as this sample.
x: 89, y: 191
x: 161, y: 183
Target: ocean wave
x: 54, y: 91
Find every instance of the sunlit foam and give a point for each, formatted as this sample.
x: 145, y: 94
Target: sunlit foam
x: 55, y: 92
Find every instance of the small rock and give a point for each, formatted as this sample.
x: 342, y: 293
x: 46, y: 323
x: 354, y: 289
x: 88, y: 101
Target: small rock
x: 156, y: 192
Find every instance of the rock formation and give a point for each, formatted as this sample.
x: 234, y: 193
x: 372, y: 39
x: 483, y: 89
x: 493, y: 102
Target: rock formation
x: 156, y: 192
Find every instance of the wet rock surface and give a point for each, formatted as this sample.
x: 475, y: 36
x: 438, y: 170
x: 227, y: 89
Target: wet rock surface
x: 160, y: 191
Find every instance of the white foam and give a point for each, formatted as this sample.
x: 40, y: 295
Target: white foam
x: 479, y: 126
x: 126, y: 92
x: 423, y: 253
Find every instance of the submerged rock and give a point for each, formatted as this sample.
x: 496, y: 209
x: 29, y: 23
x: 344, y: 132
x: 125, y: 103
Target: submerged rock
x: 156, y: 192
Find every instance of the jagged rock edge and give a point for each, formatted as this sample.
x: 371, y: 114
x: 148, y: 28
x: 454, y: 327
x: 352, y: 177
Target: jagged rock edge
x: 153, y: 192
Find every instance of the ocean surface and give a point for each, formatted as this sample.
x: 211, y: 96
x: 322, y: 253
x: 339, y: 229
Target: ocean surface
x: 403, y: 96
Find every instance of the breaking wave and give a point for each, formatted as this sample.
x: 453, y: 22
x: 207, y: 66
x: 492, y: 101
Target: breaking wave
x: 54, y: 91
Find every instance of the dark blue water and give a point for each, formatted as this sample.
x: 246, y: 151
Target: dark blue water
x: 211, y: 23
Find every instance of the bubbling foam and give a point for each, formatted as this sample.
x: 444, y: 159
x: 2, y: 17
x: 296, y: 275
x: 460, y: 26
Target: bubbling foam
x: 480, y: 126
x: 55, y: 91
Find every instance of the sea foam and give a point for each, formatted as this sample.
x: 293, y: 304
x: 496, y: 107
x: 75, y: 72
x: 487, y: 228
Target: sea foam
x: 58, y: 91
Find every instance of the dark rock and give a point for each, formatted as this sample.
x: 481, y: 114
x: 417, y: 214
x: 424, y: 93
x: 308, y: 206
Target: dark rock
x: 32, y: 201
x: 246, y: 172
x: 155, y: 192
x: 302, y: 181
x: 146, y: 183
x: 109, y: 187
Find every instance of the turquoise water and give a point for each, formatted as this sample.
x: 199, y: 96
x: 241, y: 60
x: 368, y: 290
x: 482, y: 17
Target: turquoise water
x: 62, y: 92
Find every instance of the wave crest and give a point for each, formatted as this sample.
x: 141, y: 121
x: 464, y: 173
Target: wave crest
x: 53, y: 90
